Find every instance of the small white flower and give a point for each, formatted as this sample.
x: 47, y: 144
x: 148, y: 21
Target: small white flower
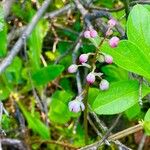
x: 76, y: 105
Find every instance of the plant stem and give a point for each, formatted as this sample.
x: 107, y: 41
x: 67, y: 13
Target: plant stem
x: 86, y: 114
x: 127, y: 9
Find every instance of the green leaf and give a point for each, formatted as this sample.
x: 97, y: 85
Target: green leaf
x: 128, y: 56
x: 114, y: 73
x: 59, y: 112
x: 59, y: 3
x: 147, y: 116
x: 138, y: 28
x: 147, y: 122
x: 35, y: 44
x: 47, y: 74
x: 13, y: 72
x: 35, y: 124
x: 3, y: 34
x: 92, y: 94
x: 133, y: 111
x: 120, y: 97
x: 4, y: 92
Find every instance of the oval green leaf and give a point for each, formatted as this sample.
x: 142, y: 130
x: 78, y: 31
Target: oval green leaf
x: 120, y: 96
x: 138, y: 28
x: 47, y: 74
x: 128, y: 56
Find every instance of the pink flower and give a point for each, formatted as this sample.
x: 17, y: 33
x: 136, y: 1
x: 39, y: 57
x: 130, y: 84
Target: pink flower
x: 113, y: 42
x: 83, y: 58
x: 108, y: 59
x: 93, y: 33
x: 76, y: 106
x: 72, y: 68
x: 90, y: 78
x: 112, y: 22
x: 104, y: 85
x: 87, y: 34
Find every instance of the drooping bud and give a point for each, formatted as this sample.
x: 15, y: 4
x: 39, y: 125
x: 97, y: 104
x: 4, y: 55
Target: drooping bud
x: 90, y: 78
x: 112, y: 22
x: 108, y: 59
x: 87, y: 34
x: 104, y: 85
x: 83, y: 58
x: 101, y: 58
x: 113, y: 42
x: 76, y: 106
x: 93, y: 33
x: 72, y: 68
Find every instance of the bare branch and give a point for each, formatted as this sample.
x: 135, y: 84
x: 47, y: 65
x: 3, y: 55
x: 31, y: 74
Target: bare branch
x: 60, y: 11
x: 17, y: 47
x: 141, y: 145
x: 14, y: 143
x: 7, y: 6
x: 97, y: 144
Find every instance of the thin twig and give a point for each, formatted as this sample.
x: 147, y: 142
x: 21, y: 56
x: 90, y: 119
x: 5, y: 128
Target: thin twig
x: 107, y: 9
x: 97, y: 144
x: 98, y: 121
x: 69, y: 49
x: 119, y: 8
x: 141, y: 145
x: 140, y: 90
x: 125, y: 132
x: 94, y: 127
x: 122, y: 146
x: 62, y: 27
x: 139, y: 2
x: 84, y: 13
x: 110, y: 129
x: 14, y: 143
x: 17, y: 47
x: 30, y: 78
x: 60, y: 11
x: 74, y: 57
x: 96, y: 130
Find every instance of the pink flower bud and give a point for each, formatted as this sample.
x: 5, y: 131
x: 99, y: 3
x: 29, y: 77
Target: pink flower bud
x: 113, y: 42
x: 76, y: 106
x: 112, y: 22
x: 72, y: 68
x: 109, y: 32
x: 108, y: 59
x: 93, y: 33
x: 83, y: 58
x: 87, y: 34
x: 104, y: 85
x: 90, y: 78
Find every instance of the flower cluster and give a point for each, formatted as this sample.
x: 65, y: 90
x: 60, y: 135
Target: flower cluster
x: 114, y: 41
x: 90, y: 33
x: 77, y: 104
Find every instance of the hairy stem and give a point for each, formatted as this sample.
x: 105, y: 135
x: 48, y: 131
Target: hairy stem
x: 86, y: 114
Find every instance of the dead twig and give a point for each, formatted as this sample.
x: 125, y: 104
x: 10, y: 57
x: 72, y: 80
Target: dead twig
x: 7, y: 4
x: 13, y: 143
x: 17, y: 47
x: 141, y: 145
